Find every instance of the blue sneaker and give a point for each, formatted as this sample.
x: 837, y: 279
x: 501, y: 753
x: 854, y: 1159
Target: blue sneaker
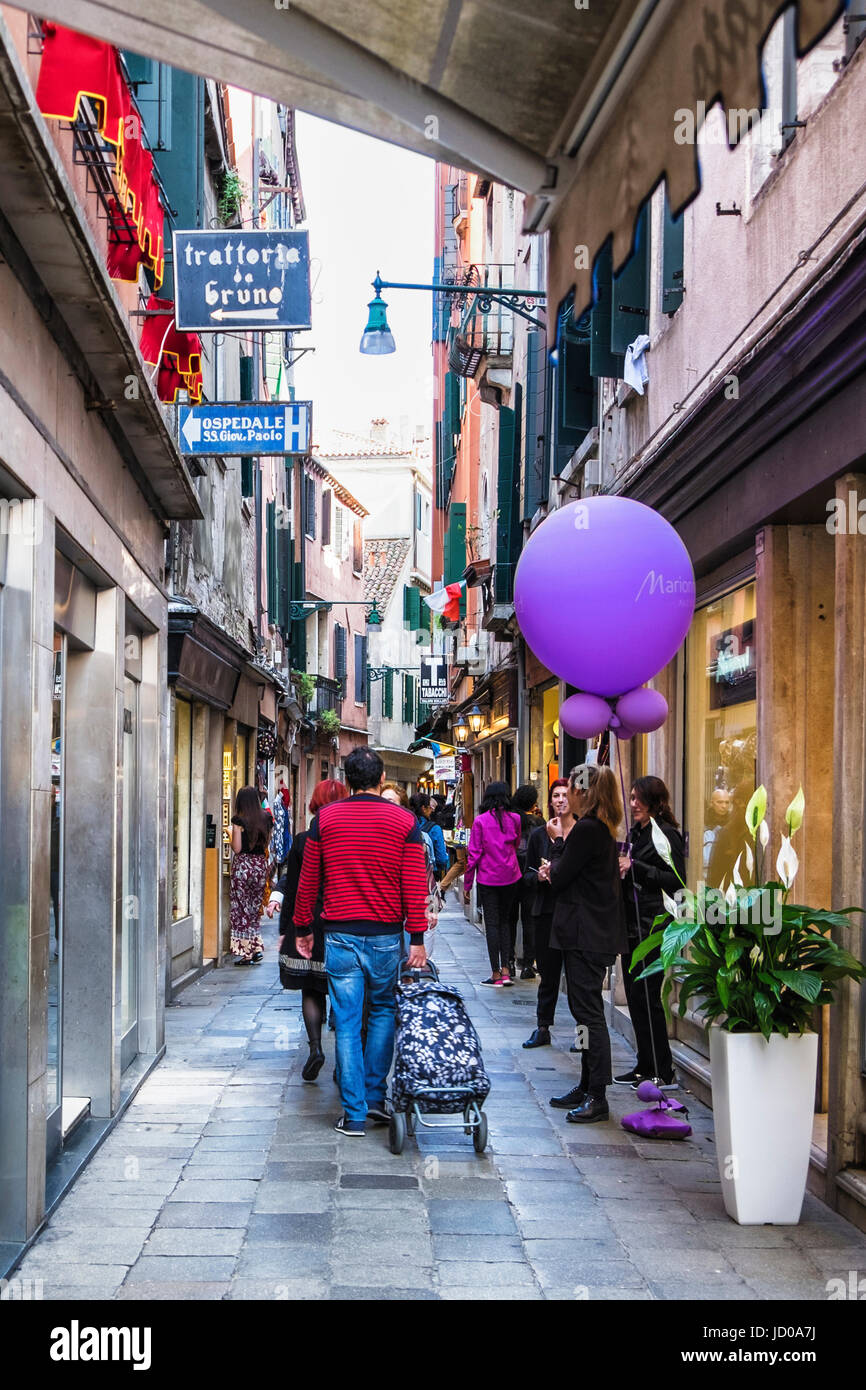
x: 354, y: 1129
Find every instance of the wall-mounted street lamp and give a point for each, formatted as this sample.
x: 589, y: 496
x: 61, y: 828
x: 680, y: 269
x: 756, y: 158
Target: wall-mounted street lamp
x: 461, y: 729
x: 377, y: 338
x: 476, y: 720
x: 300, y: 611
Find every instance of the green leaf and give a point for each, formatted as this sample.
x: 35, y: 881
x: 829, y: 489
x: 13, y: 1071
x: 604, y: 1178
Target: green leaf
x: 756, y: 810
x: 648, y: 944
x: 802, y: 983
x: 733, y: 951
x: 764, y: 1010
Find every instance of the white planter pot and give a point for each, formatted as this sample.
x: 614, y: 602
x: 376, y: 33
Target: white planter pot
x: 763, y: 1104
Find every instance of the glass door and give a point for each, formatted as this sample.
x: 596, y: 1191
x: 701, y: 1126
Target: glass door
x: 130, y: 878
x: 54, y: 1096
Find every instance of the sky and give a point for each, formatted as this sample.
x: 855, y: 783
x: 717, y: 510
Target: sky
x: 369, y: 207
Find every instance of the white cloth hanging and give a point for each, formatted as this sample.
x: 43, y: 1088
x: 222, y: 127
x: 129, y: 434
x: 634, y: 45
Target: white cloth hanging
x: 635, y: 373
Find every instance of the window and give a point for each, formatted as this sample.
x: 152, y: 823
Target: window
x: 419, y: 512
x: 309, y: 506
x: 246, y: 389
x: 412, y: 615
x: 340, y: 667
x: 357, y: 547
x: 326, y: 516
x: 340, y: 534
x: 535, y: 460
x: 509, y: 528
x: 630, y: 304
x: 388, y: 695
x: 360, y: 669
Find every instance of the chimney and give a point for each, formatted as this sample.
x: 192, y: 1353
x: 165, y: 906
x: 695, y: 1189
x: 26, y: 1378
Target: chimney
x: 378, y: 431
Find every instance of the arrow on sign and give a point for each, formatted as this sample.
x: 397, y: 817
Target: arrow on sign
x: 191, y: 429
x: 246, y: 313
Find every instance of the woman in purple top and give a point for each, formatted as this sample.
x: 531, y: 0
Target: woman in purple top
x: 492, y: 859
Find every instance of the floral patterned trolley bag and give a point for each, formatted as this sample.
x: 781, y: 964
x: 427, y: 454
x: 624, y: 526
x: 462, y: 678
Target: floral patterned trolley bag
x: 436, y: 1048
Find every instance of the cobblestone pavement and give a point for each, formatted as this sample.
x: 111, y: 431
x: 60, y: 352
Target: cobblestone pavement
x: 226, y: 1180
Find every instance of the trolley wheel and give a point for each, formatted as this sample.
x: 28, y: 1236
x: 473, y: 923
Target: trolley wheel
x: 397, y: 1132
x: 411, y: 1121
x: 479, y: 1134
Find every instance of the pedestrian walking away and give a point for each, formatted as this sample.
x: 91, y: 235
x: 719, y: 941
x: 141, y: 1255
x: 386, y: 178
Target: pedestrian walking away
x: 525, y: 803
x: 492, y: 859
x: 296, y: 971
x: 248, y: 884
x: 588, y: 927
x: 366, y: 857
x: 540, y: 898
x: 645, y: 877
x: 421, y: 805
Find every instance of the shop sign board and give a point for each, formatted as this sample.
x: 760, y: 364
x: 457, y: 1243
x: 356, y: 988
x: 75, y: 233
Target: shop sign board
x: 445, y: 768
x: 245, y: 427
x: 434, y: 680
x: 239, y: 278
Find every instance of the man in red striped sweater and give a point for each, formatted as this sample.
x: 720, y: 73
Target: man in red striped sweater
x: 367, y: 858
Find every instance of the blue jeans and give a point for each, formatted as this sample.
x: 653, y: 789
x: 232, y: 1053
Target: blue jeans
x: 356, y: 964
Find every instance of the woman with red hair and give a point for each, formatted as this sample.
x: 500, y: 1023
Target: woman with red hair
x: 295, y: 971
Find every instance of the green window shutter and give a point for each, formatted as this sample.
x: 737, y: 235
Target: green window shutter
x: 369, y: 693
x: 388, y: 695
x: 409, y: 700
x: 284, y: 574
x: 340, y: 666
x: 455, y: 548
x: 298, y: 630
x: 271, y: 525
x: 673, y: 249
x: 508, y: 527
x: 417, y: 623
x: 246, y: 477
x: 602, y: 361
x: 533, y: 452
x: 631, y: 290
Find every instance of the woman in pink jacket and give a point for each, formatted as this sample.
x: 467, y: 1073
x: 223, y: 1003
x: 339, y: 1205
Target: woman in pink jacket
x: 492, y: 859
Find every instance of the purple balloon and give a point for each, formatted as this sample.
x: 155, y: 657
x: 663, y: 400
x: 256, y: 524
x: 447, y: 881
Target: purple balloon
x: 604, y: 593
x: 584, y: 716
x: 624, y: 732
x: 642, y: 710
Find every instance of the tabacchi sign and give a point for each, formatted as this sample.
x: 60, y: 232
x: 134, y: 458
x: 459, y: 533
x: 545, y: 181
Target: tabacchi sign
x: 241, y: 279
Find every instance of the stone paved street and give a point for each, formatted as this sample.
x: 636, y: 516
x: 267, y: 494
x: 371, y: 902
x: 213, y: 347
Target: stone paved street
x: 225, y: 1179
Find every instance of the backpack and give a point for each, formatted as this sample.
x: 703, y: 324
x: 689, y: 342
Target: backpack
x: 436, y: 1046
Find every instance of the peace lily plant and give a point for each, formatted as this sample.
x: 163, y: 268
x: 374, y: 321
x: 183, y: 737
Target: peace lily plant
x: 756, y: 962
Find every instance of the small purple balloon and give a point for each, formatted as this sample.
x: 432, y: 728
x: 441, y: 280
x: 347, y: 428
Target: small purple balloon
x: 642, y: 710
x: 584, y: 716
x: 604, y: 593
x: 624, y: 732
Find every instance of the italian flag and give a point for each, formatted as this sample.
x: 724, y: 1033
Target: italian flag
x: 446, y: 602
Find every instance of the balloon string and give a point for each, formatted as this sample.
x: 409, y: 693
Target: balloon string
x: 637, y: 921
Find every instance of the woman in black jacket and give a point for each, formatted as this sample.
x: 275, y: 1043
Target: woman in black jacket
x: 538, y: 904
x: 645, y: 876
x: 588, y: 927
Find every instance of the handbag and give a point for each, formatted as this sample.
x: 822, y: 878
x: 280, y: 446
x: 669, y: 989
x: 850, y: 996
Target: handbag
x: 662, y: 1121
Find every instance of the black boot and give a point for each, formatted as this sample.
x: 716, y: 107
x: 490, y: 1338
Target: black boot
x: 314, y: 1062
x: 591, y: 1109
x: 576, y: 1096
x: 539, y: 1037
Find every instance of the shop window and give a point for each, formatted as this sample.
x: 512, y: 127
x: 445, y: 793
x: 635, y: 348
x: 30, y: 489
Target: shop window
x: 721, y: 735
x: 182, y: 807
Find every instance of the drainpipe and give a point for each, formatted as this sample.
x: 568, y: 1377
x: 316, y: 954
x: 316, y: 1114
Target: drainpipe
x: 522, y: 772
x: 257, y: 364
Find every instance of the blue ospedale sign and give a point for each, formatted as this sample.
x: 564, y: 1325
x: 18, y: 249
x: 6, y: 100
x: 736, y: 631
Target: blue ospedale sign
x: 245, y: 427
x: 241, y: 279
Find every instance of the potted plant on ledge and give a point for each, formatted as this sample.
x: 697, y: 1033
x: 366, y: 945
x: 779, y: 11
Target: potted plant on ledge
x: 757, y: 967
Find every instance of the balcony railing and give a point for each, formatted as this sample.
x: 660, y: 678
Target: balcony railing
x: 486, y: 328
x: 328, y: 695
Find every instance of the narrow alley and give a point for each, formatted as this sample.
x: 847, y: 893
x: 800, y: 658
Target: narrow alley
x: 224, y: 1179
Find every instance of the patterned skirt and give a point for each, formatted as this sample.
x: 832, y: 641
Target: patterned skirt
x: 248, y: 881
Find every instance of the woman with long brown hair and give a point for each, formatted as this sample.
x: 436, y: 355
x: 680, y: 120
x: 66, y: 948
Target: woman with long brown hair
x: 539, y: 900
x: 251, y: 832
x: 296, y: 972
x: 645, y: 877
x: 588, y: 927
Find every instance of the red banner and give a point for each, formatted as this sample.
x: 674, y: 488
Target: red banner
x: 178, y: 354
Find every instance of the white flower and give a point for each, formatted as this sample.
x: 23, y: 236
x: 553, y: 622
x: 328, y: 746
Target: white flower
x: 736, y: 875
x: 661, y: 843
x: 764, y: 834
x: 731, y: 896
x: 787, y: 862
x: 750, y: 859
x: 670, y: 905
